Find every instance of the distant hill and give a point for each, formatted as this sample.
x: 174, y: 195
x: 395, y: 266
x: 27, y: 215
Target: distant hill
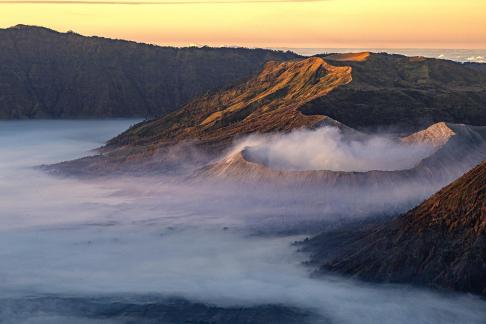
x: 47, y: 74
x: 440, y: 243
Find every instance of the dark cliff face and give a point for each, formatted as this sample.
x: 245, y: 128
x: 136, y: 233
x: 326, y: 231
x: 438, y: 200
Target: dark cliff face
x: 440, y: 243
x: 406, y: 91
x: 46, y: 74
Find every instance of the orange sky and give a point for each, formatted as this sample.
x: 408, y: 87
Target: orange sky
x: 265, y: 23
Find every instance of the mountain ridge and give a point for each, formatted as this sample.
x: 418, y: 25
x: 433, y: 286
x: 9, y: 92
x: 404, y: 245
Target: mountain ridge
x: 50, y: 74
x: 275, y: 93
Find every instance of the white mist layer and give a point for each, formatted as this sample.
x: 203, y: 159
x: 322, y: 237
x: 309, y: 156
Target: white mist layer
x: 327, y: 148
x: 210, y: 266
x: 138, y: 236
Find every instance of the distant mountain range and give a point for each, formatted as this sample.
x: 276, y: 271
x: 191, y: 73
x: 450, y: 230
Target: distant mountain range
x: 47, y: 74
x: 440, y: 243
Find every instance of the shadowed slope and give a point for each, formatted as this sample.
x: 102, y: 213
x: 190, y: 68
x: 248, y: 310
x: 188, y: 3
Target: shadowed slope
x: 442, y: 242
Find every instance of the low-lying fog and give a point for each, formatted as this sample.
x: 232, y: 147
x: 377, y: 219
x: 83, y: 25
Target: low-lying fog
x: 327, y: 148
x: 141, y: 237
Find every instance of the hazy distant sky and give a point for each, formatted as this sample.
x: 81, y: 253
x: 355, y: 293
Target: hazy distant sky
x: 265, y: 23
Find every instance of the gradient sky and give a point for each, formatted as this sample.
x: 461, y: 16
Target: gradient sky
x: 265, y: 23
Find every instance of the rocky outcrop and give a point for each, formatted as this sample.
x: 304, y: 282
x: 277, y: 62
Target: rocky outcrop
x: 436, y: 135
x: 440, y: 243
x: 47, y: 74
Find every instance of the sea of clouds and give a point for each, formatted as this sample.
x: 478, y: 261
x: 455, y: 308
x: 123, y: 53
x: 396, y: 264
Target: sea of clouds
x: 220, y: 244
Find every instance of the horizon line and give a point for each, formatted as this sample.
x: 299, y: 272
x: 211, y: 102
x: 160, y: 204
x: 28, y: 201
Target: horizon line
x: 135, y: 3
x: 276, y: 47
